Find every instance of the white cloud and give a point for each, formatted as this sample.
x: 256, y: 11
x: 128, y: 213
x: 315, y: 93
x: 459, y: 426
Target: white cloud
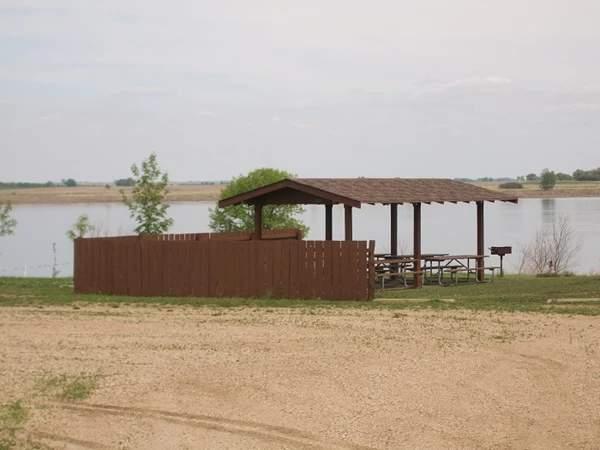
x: 206, y: 113
x: 276, y: 120
x: 474, y: 84
x: 484, y: 82
x: 149, y: 90
x: 50, y: 117
x: 573, y: 107
x: 303, y: 125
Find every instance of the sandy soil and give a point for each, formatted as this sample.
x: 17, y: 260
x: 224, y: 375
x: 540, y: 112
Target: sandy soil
x: 188, y: 193
x: 562, y: 190
x: 99, y: 194
x: 244, y: 378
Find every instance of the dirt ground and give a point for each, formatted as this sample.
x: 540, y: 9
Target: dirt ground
x: 300, y: 378
x: 99, y: 194
x: 562, y: 190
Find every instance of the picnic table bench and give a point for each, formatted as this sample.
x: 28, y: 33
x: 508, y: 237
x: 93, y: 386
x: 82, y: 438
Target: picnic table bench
x: 395, y: 267
x: 455, y: 264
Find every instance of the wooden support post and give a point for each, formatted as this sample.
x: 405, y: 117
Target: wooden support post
x: 394, y: 229
x: 480, y: 241
x: 348, y: 222
x: 329, y: 222
x: 258, y: 221
x: 418, y: 278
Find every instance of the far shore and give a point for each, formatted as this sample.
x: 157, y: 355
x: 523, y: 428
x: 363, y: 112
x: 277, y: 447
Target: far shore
x: 198, y: 193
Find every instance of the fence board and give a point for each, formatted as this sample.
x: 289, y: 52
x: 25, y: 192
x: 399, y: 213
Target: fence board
x: 353, y: 275
x: 308, y: 268
x: 262, y: 275
x: 232, y: 272
x: 157, y: 262
x: 301, y: 270
x: 285, y: 271
x: 277, y: 263
x: 293, y: 277
x: 252, y: 269
x: 363, y: 275
x: 244, y: 271
x: 318, y: 286
x: 371, y: 268
x: 336, y: 270
x: 115, y: 267
x: 216, y: 260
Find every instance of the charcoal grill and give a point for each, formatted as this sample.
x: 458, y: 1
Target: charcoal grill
x: 501, y: 251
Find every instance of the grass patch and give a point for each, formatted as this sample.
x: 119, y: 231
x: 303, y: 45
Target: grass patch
x: 70, y: 387
x: 14, y: 413
x: 12, y: 416
x: 510, y: 293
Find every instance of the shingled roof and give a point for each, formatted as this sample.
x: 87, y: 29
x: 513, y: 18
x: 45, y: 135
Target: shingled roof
x: 355, y: 191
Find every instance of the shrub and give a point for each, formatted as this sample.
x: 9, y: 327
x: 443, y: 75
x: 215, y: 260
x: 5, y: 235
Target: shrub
x: 547, y: 180
x: 553, y: 250
x: 511, y: 185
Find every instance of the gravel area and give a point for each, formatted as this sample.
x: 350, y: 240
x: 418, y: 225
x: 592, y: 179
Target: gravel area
x: 245, y: 378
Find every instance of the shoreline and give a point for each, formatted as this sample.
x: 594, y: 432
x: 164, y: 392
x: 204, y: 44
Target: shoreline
x: 211, y: 193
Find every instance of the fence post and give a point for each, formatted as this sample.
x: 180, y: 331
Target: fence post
x: 371, y: 271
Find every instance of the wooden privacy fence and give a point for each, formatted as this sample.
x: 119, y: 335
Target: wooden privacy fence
x: 278, y: 268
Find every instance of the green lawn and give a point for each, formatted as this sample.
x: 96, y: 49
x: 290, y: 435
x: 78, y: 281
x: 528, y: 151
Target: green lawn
x: 511, y: 293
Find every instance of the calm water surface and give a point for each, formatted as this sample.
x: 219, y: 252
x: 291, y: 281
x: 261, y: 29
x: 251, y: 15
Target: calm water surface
x: 446, y: 228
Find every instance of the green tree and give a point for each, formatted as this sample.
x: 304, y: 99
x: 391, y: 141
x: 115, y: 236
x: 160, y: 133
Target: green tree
x: 125, y: 182
x: 80, y: 228
x: 147, y: 196
x: 563, y: 176
x: 69, y: 182
x: 587, y: 175
x: 7, y: 223
x: 241, y: 217
x: 531, y: 177
x: 547, y: 180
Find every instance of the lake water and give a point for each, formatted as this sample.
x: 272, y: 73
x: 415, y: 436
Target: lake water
x: 446, y: 228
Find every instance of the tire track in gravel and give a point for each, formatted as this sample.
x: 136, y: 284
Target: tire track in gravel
x: 69, y: 440
x: 262, y: 431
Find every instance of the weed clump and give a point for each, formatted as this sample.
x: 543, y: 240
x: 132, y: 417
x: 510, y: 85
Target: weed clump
x: 70, y: 387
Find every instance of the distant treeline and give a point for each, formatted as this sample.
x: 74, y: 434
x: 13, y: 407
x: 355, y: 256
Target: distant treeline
x: 131, y: 182
x: 26, y: 185
x: 469, y: 180
x: 587, y: 175
x: 125, y: 182
x: 203, y: 183
x: 578, y: 175
x: 69, y: 182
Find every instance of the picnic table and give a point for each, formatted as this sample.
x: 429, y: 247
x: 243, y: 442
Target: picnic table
x: 393, y: 267
x: 455, y: 264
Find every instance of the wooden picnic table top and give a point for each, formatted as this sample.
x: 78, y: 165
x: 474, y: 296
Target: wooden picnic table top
x: 395, y: 261
x: 453, y: 257
x: 387, y: 256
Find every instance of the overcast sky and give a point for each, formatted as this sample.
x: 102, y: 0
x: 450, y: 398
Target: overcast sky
x: 321, y: 88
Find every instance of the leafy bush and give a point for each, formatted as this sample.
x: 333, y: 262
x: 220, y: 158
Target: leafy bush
x: 547, y: 180
x: 511, y: 185
x: 80, y: 228
x: 125, y: 182
x: 7, y: 223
